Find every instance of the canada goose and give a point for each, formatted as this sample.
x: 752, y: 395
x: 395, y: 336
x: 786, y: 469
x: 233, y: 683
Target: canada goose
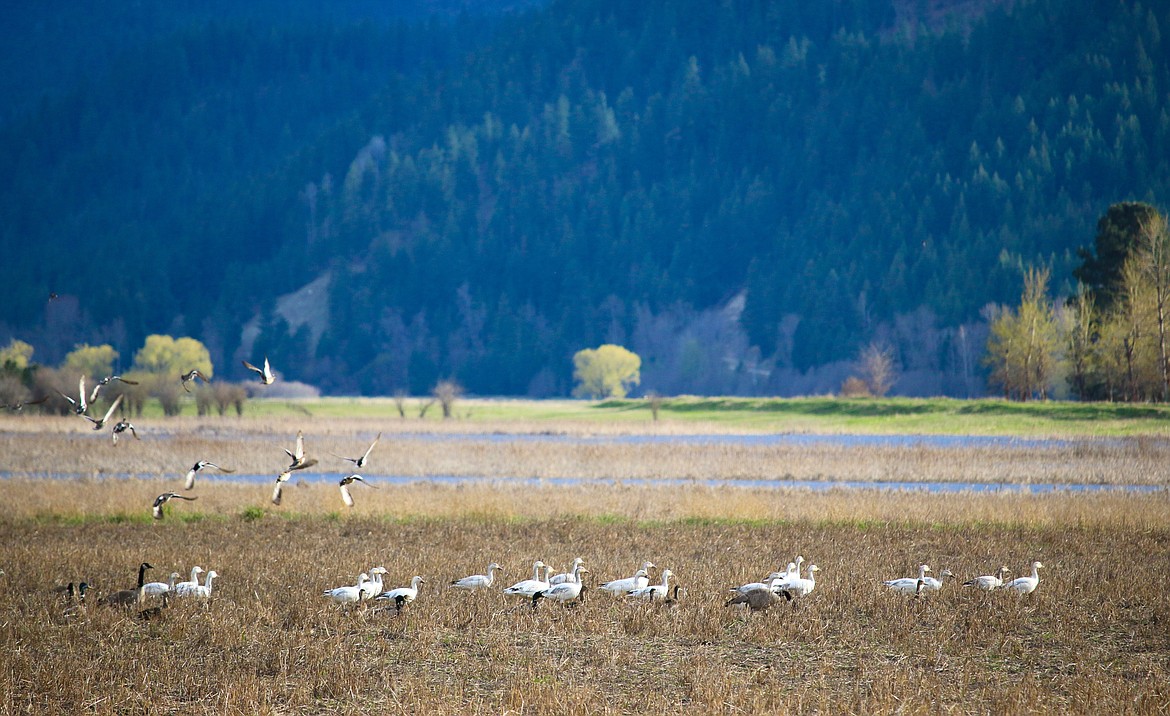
x: 930, y: 584
x: 20, y: 404
x: 348, y: 595
x: 760, y: 595
x: 265, y: 373
x: 105, y: 381
x: 80, y: 406
x: 360, y: 462
x: 199, y: 466
x: 122, y: 426
x: 908, y: 585
x: 647, y: 592
x: 99, y: 423
x: 795, y: 589
x: 528, y: 587
x: 989, y: 582
x: 1026, y: 585
x: 166, y: 497
x: 563, y: 592
x: 570, y: 576
x: 127, y: 597
x: 189, y: 376
x: 641, y: 578
x: 344, y: 485
x: 478, y: 581
x: 403, y: 595
x: 372, y: 587
x: 158, y: 589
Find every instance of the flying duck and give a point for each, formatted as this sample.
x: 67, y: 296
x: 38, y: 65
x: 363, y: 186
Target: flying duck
x: 265, y: 373
x: 344, y: 485
x: 190, y: 376
x: 164, y: 498
x: 199, y: 466
x: 99, y: 423
x: 360, y: 462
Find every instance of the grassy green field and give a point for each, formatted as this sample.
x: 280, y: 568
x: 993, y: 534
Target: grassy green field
x: 811, y: 415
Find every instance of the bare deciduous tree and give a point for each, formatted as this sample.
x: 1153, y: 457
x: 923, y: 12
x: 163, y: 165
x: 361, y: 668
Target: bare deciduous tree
x: 447, y: 392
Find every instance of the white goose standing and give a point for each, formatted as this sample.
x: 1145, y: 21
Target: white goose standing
x: 909, y: 585
x: 478, y: 581
x: 1026, y: 585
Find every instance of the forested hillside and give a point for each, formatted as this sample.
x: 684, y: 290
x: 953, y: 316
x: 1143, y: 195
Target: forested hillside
x: 743, y: 193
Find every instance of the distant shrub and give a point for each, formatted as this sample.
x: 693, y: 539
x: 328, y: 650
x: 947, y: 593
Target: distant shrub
x: 855, y: 387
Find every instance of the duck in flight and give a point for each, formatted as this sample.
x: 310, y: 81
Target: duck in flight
x: 191, y: 375
x: 122, y: 426
x: 360, y: 462
x: 164, y: 498
x: 265, y: 373
x: 106, y: 381
x: 199, y: 466
x: 344, y: 485
x: 299, y: 462
x: 99, y: 423
x: 80, y: 406
x: 20, y: 404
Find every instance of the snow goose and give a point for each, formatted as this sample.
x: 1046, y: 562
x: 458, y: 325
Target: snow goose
x: 760, y: 596
x: 794, y: 589
x: 930, y: 584
x: 182, y: 589
x: 99, y: 423
x: 346, y: 482
x: 648, y: 591
x: 989, y: 582
x: 478, y: 581
x: 347, y: 595
x: 908, y: 585
x: 164, y: 498
x: 128, y: 597
x: 155, y: 589
x: 202, y: 464
x: 403, y: 595
x: 266, y: 375
x: 641, y: 578
x: 373, y: 587
x: 563, y: 592
x: 1026, y: 585
x: 360, y: 462
x: 203, y: 591
x: 772, y: 581
x: 528, y: 587
x: 570, y: 576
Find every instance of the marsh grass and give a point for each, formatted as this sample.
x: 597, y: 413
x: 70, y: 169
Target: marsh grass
x: 1092, y: 638
x: 269, y: 644
x: 40, y: 446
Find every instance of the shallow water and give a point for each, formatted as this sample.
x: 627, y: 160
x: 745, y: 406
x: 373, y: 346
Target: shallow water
x: 809, y: 485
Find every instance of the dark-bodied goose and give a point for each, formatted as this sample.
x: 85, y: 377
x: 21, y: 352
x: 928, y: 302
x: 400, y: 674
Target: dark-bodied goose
x: 191, y: 375
x: 106, y: 381
x: 265, y: 373
x: 128, y: 597
x: 759, y: 595
x: 344, y: 485
x: 199, y: 466
x: 122, y: 426
x: 99, y: 423
x: 164, y: 498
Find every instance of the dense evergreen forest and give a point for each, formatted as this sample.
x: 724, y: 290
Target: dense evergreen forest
x: 744, y: 193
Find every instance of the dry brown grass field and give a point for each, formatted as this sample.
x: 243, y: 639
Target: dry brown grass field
x: 1092, y: 638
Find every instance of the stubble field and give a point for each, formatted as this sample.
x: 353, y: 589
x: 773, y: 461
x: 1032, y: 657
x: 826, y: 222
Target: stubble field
x: 1092, y: 638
